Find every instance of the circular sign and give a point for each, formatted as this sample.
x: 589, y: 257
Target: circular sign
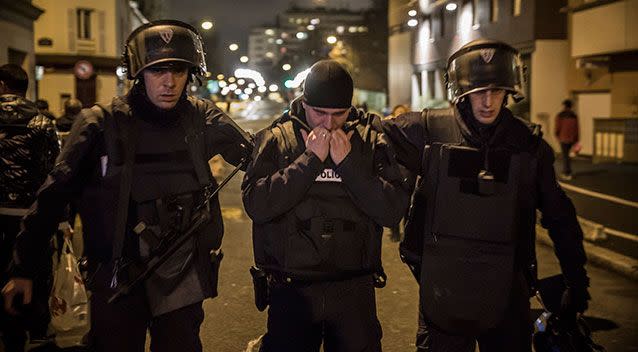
x: 83, y: 69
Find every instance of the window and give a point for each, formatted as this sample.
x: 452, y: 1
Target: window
x: 516, y: 7
x: 475, y: 18
x: 494, y: 11
x: 83, y: 17
x: 430, y: 29
x: 431, y: 94
x: 442, y: 22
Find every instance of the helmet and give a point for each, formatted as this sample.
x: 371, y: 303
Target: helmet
x: 484, y: 64
x: 163, y: 41
x: 553, y: 335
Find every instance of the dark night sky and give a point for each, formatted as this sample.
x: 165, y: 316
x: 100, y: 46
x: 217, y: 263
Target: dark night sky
x: 234, y: 18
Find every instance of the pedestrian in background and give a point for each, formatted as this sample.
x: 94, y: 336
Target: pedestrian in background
x: 72, y: 108
x: 43, y: 108
x: 28, y: 148
x: 566, y: 130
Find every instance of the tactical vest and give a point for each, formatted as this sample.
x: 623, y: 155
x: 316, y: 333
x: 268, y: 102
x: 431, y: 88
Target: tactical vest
x: 466, y: 210
x: 163, y: 173
x: 325, y: 236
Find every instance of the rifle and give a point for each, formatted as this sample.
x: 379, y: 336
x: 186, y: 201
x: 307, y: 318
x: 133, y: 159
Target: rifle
x: 170, y: 242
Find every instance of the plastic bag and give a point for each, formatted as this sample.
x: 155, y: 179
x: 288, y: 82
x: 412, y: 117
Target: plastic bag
x: 68, y: 302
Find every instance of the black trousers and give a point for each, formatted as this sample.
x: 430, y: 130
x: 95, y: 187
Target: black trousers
x: 567, y: 161
x: 341, y: 314
x: 35, y: 317
x: 513, y: 333
x: 122, y: 326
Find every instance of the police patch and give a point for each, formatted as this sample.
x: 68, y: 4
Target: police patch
x: 328, y: 175
x: 166, y: 35
x: 487, y: 55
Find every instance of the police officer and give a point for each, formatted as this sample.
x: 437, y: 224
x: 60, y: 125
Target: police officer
x: 28, y: 148
x: 137, y: 168
x: 471, y: 232
x: 321, y: 186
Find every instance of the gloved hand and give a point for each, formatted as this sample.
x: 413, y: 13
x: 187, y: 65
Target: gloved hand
x: 574, y: 301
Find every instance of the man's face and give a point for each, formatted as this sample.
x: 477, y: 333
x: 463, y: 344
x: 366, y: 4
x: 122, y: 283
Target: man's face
x: 165, y: 84
x: 486, y: 104
x: 328, y: 118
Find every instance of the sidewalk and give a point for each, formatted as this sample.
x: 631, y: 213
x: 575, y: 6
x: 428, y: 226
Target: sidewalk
x: 606, y: 200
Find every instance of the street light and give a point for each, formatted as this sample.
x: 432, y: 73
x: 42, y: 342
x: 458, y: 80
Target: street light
x: 331, y: 39
x: 412, y: 13
x: 413, y: 22
x: 206, y: 25
x: 233, y: 47
x: 244, y: 59
x: 273, y: 87
x: 451, y: 6
x: 286, y: 67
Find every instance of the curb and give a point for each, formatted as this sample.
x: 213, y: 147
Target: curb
x: 602, y: 257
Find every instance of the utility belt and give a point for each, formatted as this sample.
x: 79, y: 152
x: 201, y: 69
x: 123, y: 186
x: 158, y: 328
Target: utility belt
x: 264, y: 279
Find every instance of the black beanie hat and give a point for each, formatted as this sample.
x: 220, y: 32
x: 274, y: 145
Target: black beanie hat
x: 328, y: 85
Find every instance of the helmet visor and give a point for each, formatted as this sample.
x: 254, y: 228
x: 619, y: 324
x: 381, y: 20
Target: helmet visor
x: 482, y: 69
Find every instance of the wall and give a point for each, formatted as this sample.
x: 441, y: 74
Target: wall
x: 399, y: 68
x: 106, y: 88
x: 548, y: 84
x: 624, y: 94
x: 54, y: 84
x: 21, y: 39
x: 56, y: 23
x: 604, y: 29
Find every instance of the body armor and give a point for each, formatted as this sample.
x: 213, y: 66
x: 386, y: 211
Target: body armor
x: 325, y: 236
x: 464, y: 224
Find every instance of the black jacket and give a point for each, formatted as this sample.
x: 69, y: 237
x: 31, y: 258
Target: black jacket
x: 271, y: 193
x: 83, y: 174
x: 28, y: 148
x: 409, y: 135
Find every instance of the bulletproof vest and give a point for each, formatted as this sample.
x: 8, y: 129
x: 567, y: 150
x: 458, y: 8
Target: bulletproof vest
x: 167, y: 174
x: 469, y: 214
x: 326, y: 236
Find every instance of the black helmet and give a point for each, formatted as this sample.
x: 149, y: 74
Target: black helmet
x: 484, y: 64
x: 163, y: 41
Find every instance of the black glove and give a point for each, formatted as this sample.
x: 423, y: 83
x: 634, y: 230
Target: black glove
x: 574, y: 301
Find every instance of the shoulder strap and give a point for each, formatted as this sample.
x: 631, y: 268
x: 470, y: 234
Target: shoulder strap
x: 118, y: 125
x: 287, y: 146
x: 441, y: 126
x: 194, y: 127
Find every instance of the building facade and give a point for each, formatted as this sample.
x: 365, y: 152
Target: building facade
x: 537, y: 28
x: 16, y: 41
x: 602, y: 71
x: 78, y: 46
